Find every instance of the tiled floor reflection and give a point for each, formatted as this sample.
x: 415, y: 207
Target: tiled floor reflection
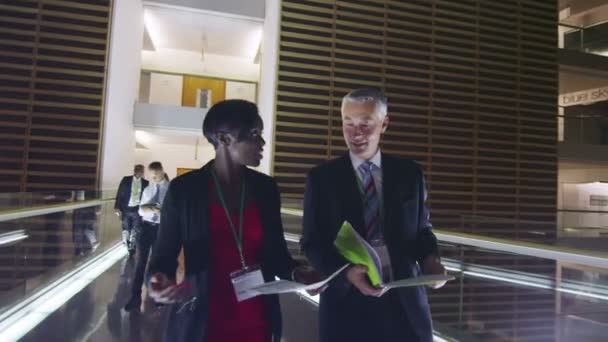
x: 95, y: 314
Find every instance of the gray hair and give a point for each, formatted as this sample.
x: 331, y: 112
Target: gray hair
x: 362, y: 95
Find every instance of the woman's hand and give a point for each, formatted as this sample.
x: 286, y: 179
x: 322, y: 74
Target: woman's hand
x: 307, y: 275
x: 162, y: 289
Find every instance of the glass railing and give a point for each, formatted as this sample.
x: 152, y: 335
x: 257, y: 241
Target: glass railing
x: 587, y: 227
x: 529, y: 285
x: 45, y: 236
x: 591, y: 39
x: 588, y: 129
x: 532, y: 287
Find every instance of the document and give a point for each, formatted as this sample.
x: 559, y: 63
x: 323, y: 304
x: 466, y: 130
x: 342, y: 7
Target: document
x: 286, y: 286
x: 357, y: 251
x: 417, y: 281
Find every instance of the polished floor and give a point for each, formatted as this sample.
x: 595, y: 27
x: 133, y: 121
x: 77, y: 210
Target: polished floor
x: 95, y: 314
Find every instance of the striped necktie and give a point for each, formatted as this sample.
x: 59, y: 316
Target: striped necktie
x: 371, y: 199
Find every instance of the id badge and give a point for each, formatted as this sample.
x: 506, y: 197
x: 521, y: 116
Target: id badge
x: 244, y: 280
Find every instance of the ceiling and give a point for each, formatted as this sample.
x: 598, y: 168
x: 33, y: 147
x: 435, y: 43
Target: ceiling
x: 247, y: 8
x: 583, y: 13
x: 202, y: 31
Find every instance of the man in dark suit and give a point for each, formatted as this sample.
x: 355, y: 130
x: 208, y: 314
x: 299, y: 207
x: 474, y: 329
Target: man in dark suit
x: 126, y: 205
x: 383, y: 197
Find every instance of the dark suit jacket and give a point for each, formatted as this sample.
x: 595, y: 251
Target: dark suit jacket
x: 123, y: 195
x: 332, y: 197
x: 185, y: 223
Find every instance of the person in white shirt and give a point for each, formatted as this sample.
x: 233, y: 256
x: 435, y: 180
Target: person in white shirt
x: 149, y: 210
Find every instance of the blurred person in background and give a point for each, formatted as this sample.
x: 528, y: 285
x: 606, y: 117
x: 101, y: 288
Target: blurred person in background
x: 127, y: 202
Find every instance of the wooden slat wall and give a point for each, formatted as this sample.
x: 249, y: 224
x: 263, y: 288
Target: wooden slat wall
x: 52, y: 78
x: 472, y: 88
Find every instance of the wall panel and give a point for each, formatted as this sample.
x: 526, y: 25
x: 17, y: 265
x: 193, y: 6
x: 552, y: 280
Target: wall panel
x: 52, y: 76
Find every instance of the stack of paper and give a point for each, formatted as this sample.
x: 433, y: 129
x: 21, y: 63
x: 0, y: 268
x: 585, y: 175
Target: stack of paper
x: 357, y: 251
x: 286, y: 286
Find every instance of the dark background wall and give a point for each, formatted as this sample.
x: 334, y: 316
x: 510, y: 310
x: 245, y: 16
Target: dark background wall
x: 52, y: 79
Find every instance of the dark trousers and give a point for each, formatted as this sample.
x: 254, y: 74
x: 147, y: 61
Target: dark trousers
x: 359, y: 318
x: 146, y: 239
x: 131, y: 222
x: 83, y: 229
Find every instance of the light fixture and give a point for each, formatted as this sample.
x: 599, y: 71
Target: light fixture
x: 143, y: 137
x: 10, y: 238
x: 153, y: 27
x: 254, y: 42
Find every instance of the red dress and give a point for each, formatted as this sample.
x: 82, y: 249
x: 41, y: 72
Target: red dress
x: 229, y: 320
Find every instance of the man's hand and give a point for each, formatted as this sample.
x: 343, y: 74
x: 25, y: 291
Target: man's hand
x: 357, y: 275
x: 432, y: 266
x: 118, y: 213
x: 306, y: 275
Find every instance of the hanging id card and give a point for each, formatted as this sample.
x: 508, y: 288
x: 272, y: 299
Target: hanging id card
x: 243, y: 281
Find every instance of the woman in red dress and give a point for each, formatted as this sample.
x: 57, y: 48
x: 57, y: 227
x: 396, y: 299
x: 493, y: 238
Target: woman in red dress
x: 227, y: 219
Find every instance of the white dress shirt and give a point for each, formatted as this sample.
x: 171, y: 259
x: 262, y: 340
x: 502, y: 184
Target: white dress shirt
x: 148, y: 198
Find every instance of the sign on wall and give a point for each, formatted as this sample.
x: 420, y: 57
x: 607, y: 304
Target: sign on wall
x: 584, y: 97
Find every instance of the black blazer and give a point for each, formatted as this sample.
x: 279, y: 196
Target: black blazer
x: 123, y: 195
x: 185, y: 223
x: 332, y: 197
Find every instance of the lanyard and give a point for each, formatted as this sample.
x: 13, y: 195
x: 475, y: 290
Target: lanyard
x: 238, y: 238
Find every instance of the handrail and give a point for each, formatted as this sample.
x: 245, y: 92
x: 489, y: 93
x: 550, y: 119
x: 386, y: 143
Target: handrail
x: 11, y: 238
x: 15, y: 214
x: 557, y: 253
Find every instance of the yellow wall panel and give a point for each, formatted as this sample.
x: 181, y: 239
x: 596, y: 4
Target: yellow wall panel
x: 192, y: 84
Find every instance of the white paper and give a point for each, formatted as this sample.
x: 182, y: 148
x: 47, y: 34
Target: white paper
x: 372, y: 253
x: 286, y: 286
x: 417, y: 281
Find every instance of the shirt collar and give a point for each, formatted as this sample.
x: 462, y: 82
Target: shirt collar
x: 376, y: 160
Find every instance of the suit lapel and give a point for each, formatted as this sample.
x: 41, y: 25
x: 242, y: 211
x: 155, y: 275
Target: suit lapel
x: 198, y: 202
x: 390, y: 194
x: 260, y: 198
x: 350, y: 195
x: 266, y: 203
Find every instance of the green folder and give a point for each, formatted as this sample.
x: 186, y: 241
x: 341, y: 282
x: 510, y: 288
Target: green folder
x: 358, y: 252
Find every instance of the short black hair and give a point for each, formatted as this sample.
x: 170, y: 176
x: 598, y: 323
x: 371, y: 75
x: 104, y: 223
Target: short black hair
x: 230, y: 116
x: 138, y: 167
x: 155, y: 166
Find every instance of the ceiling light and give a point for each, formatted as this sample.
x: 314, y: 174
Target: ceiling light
x: 254, y: 41
x: 153, y: 26
x: 142, y: 137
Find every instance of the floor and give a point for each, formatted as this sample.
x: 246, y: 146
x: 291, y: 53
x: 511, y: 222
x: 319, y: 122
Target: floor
x: 95, y: 314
